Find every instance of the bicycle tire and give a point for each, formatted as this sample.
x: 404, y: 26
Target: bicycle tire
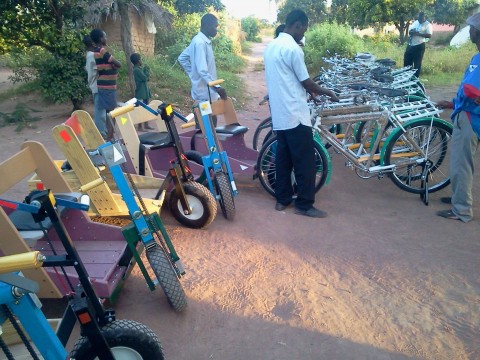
x: 201, y: 201
x: 407, y: 174
x: 167, y: 278
x: 266, y: 166
x: 127, y: 339
x: 264, y: 124
x: 225, y: 194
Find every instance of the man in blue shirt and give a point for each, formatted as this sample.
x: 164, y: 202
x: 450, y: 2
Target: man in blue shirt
x: 466, y: 133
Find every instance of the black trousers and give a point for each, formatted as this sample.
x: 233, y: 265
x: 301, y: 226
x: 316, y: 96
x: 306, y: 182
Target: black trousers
x: 295, y: 150
x: 413, y: 56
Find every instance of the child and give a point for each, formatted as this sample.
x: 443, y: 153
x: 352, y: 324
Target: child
x: 141, y: 76
x: 92, y: 73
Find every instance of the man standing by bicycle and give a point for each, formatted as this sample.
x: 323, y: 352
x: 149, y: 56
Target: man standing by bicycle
x: 466, y: 133
x: 288, y: 82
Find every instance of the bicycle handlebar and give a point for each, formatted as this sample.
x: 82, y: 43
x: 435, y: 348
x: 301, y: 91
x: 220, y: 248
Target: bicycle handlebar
x: 18, y: 262
x: 187, y: 125
x: 91, y: 185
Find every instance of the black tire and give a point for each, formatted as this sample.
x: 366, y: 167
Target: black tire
x: 128, y: 339
x: 201, y: 201
x: 225, y: 193
x: 408, y: 172
x: 266, y: 166
x: 167, y: 278
x: 265, y: 126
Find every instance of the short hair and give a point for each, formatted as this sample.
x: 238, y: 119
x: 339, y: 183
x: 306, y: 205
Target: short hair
x: 208, y: 19
x: 87, y: 41
x: 296, y: 15
x: 135, y: 58
x: 96, y: 35
x: 280, y: 28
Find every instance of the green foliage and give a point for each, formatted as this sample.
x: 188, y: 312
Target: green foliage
x: 328, y: 38
x: 251, y: 26
x: 453, y: 12
x: 194, y: 6
x: 20, y: 117
x: 315, y: 10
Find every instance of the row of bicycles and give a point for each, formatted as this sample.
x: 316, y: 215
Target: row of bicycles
x: 384, y: 124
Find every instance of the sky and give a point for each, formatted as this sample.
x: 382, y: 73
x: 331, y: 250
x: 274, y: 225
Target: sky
x: 262, y: 9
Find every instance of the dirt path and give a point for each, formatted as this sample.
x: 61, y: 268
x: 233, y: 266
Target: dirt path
x: 381, y: 278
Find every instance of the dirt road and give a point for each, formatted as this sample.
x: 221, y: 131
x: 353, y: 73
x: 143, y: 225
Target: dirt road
x: 381, y: 278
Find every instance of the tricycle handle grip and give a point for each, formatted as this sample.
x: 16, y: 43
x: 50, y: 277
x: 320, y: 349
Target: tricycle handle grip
x: 187, y: 125
x: 121, y: 110
x: 215, y: 82
x: 18, y: 262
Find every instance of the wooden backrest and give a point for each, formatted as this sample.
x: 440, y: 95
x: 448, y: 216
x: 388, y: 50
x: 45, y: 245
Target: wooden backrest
x: 33, y: 157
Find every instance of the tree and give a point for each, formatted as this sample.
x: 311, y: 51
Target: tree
x: 251, y: 26
x: 453, y: 12
x: 366, y: 13
x: 339, y: 11
x: 315, y: 9
x: 193, y: 6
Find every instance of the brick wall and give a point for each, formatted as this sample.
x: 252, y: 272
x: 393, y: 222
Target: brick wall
x: 143, y: 42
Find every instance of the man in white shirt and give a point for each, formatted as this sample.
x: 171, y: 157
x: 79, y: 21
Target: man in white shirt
x: 419, y: 33
x: 198, y: 61
x: 288, y: 82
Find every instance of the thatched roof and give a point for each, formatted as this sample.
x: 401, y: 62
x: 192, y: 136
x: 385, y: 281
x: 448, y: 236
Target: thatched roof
x: 102, y: 9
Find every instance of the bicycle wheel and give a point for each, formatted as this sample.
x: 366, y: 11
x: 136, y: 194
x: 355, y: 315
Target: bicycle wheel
x: 263, y: 128
x: 167, y: 278
x: 128, y: 340
x: 225, y: 193
x: 266, y: 166
x: 201, y: 201
x: 402, y: 150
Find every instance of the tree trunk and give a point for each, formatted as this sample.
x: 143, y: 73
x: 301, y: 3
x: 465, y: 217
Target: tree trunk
x: 126, y: 37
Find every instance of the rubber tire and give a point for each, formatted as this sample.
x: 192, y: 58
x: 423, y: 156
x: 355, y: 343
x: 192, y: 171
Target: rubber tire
x: 225, y: 193
x: 122, y: 333
x: 266, y: 166
x: 264, y: 124
x: 204, y: 206
x: 404, y: 182
x: 167, y: 278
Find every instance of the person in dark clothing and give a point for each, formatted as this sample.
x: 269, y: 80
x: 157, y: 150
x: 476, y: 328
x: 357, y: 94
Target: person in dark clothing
x: 419, y: 34
x: 141, y: 74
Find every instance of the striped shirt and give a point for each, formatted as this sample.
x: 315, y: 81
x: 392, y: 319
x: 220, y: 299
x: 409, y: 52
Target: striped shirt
x: 107, y: 72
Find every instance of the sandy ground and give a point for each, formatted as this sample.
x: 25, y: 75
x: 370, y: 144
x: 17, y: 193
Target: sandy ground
x: 381, y: 278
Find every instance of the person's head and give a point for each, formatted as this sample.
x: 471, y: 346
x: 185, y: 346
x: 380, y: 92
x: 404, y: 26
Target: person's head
x: 279, y: 30
x: 474, y: 22
x: 209, y: 25
x: 87, y: 41
x: 98, y: 36
x: 136, y: 59
x: 421, y: 17
x: 296, y: 24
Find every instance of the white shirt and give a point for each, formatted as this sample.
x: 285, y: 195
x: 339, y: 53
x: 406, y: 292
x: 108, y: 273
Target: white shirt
x: 198, y: 62
x: 284, y: 71
x: 92, y: 74
x: 423, y: 28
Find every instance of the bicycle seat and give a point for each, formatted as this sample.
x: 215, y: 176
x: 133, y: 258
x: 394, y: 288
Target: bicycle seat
x: 391, y: 92
x: 160, y: 139
x: 359, y: 86
x: 383, y: 78
x: 233, y: 129
x: 386, y: 62
x: 379, y: 70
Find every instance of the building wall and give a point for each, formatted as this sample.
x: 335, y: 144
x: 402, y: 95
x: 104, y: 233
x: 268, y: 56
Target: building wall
x: 142, y: 41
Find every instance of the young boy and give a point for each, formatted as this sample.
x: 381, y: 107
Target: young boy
x: 92, y: 73
x: 141, y: 76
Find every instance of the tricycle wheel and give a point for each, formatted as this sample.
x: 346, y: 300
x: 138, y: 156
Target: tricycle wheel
x: 167, y: 278
x: 225, y: 193
x: 201, y: 201
x: 127, y: 339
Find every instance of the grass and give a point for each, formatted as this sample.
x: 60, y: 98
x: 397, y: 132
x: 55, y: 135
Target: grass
x: 20, y: 89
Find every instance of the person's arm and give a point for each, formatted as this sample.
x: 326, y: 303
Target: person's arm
x: 445, y: 104
x: 184, y: 61
x: 314, y: 90
x: 200, y: 59
x: 109, y: 59
x: 139, y: 74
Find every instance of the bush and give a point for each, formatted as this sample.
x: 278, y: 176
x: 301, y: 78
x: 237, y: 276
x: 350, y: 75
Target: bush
x: 251, y: 27
x: 325, y: 39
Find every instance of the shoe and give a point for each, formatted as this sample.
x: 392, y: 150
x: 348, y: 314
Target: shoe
x: 448, y: 214
x: 312, y: 212
x: 280, y: 207
x: 446, y: 200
